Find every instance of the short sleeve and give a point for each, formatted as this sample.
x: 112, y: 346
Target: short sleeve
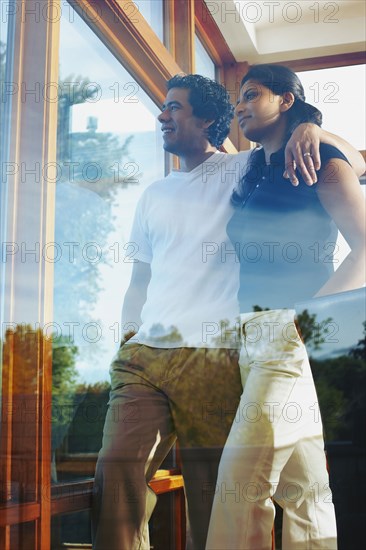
x: 140, y: 232
x: 328, y: 152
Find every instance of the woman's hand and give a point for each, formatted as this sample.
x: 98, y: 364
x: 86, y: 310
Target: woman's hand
x: 302, y: 153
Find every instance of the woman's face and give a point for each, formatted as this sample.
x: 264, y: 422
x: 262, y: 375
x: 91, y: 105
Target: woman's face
x: 259, y: 111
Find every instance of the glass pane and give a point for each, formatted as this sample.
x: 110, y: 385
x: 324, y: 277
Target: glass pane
x: 109, y: 149
x: 5, y: 17
x: 339, y: 93
x: 204, y: 64
x: 70, y: 531
x: 5, y: 103
x: 6, y: 22
x: 337, y: 353
x: 152, y: 11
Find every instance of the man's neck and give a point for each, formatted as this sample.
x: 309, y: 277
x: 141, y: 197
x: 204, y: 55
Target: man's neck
x: 189, y: 162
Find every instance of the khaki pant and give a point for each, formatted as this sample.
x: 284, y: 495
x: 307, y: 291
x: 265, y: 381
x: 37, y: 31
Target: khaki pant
x: 158, y: 396
x: 275, y: 448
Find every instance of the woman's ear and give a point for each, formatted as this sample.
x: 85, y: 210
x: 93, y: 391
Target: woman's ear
x: 288, y: 99
x: 207, y: 123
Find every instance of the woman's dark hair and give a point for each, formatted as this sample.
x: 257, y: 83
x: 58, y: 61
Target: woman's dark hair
x: 278, y: 79
x: 209, y: 100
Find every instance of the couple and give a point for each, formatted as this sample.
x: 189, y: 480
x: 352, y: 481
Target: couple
x: 178, y: 377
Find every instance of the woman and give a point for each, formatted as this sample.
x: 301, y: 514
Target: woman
x: 275, y: 449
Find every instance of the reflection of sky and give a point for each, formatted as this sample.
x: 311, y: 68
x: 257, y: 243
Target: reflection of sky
x: 4, y: 18
x: 114, y: 277
x: 116, y: 274
x: 114, y: 116
x: 348, y: 313
x: 152, y: 11
x: 83, y: 54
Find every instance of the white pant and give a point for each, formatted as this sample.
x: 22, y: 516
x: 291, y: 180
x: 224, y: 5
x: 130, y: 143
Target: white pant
x: 275, y: 447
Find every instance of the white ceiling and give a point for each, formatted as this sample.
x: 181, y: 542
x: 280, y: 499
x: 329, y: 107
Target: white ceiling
x: 265, y: 31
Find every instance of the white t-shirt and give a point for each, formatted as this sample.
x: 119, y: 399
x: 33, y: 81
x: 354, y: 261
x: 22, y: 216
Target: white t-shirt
x: 180, y: 230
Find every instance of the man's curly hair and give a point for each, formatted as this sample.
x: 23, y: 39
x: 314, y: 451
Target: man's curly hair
x: 209, y: 100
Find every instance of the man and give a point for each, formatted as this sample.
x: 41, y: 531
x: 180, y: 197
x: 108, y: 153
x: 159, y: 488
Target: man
x: 177, y: 378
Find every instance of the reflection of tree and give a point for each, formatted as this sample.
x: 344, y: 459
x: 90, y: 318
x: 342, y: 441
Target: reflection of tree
x: 313, y: 333
x: 23, y: 409
x: 86, y: 430
x: 340, y: 382
x: 359, y: 351
x: 64, y: 373
x: 64, y: 378
x: 79, y: 410
x: 64, y: 400
x: 341, y: 387
x: 159, y: 334
x: 91, y: 165
x: 76, y: 152
x: 24, y: 342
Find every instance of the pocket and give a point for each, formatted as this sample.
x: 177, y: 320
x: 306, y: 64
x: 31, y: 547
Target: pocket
x: 272, y: 341
x: 127, y: 361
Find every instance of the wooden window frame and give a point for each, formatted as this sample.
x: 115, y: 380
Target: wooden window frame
x: 326, y: 62
x: 32, y: 140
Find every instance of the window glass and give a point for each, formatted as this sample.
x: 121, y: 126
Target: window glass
x: 152, y: 11
x: 5, y: 46
x: 337, y: 326
x: 5, y: 22
x: 204, y: 64
x: 73, y: 528
x: 5, y: 16
x: 339, y: 93
x: 109, y: 148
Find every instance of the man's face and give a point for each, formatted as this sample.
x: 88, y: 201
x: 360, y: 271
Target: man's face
x: 183, y: 133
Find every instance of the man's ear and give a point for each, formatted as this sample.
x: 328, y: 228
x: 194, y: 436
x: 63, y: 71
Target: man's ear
x: 288, y: 99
